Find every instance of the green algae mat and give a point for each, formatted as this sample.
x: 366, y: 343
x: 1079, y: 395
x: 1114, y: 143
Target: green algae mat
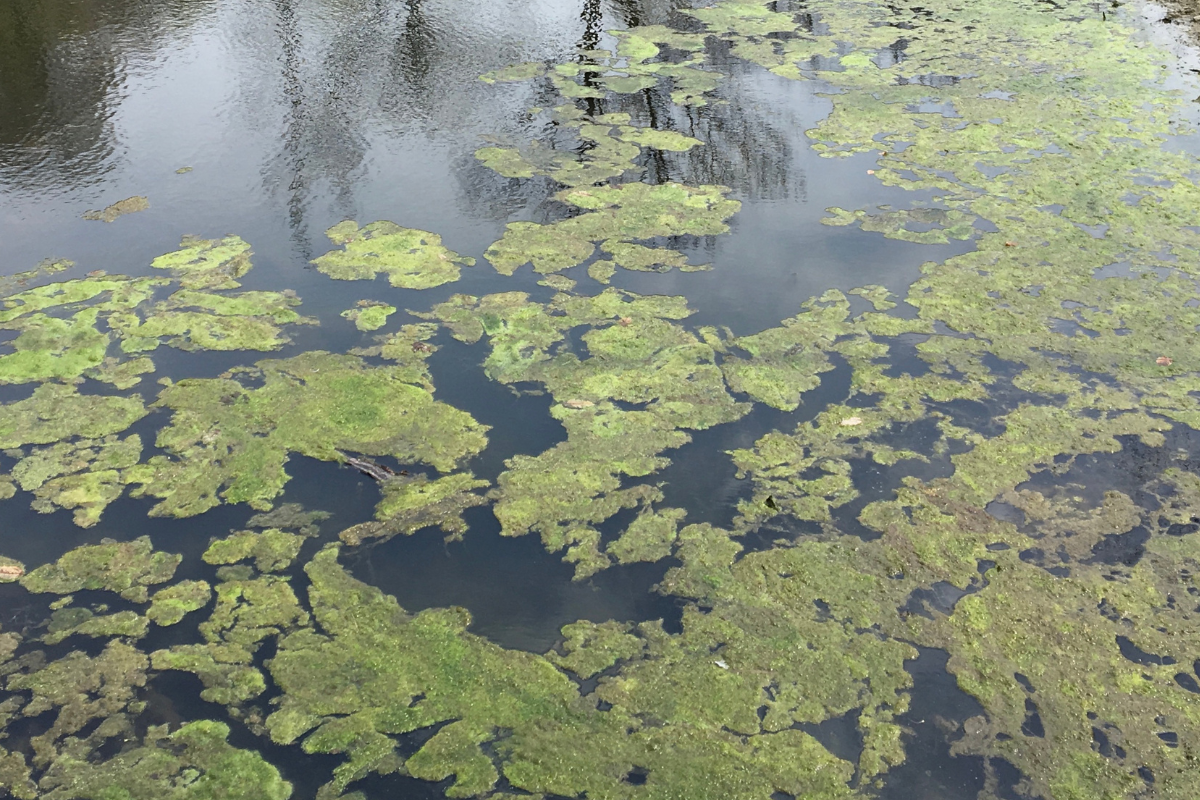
x: 1008, y: 475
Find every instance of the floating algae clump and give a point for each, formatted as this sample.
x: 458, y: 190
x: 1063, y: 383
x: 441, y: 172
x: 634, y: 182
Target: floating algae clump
x: 55, y: 412
x: 126, y: 568
x: 941, y: 225
x: 609, y: 148
x: 190, y: 320
x: 509, y: 714
x: 247, y: 613
x: 411, y: 259
x: 412, y: 503
x: 49, y: 347
x: 650, y: 537
x: 130, y: 205
x: 229, y: 442
x: 84, y: 475
x: 645, y: 380
x: 193, y: 763
x: 103, y: 309
x: 207, y: 263
x: 89, y: 742
x: 70, y: 621
x: 271, y: 549
x: 170, y: 605
x: 75, y: 691
x: 590, y: 647
x: 118, y: 293
x: 290, y: 517
x: 618, y: 215
x: 369, y: 315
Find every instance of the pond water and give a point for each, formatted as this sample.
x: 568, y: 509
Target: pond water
x: 624, y: 399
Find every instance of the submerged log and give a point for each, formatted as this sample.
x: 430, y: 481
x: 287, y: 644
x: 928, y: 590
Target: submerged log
x: 374, y: 469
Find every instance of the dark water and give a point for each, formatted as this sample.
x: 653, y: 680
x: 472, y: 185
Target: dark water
x: 296, y: 114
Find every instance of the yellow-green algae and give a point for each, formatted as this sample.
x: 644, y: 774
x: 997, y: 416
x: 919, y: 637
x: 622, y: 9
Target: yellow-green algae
x: 70, y: 621
x: 191, y: 320
x: 229, y: 442
x: 272, y: 549
x: 510, y: 714
x: 617, y: 216
x: 1047, y: 128
x: 1074, y: 320
x: 92, y: 746
x: 207, y: 263
x: 104, y: 310
x: 411, y: 503
x: 644, y: 381
x: 170, y: 605
x: 84, y: 475
x: 127, y: 568
x: 193, y: 763
x: 609, y: 147
x: 411, y: 259
x: 369, y: 315
x: 248, y: 611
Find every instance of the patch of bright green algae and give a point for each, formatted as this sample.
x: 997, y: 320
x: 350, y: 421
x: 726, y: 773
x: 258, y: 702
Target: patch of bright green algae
x: 617, y: 217
x: 513, y: 715
x: 412, y: 503
x: 369, y: 315
x: 609, y: 147
x: 206, y: 264
x: 190, y: 320
x: 193, y: 763
x: 85, y: 475
x: 126, y: 568
x: 56, y: 412
x: 67, y: 330
x: 272, y: 549
x: 411, y: 259
x: 248, y: 611
x: 170, y: 605
x: 229, y: 442
x: 93, y: 747
x: 1067, y: 335
x: 643, y: 381
x: 1035, y: 130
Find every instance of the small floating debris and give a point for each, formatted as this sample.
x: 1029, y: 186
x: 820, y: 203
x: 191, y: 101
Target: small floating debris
x: 120, y: 208
x: 183, y: 170
x: 11, y: 571
x: 852, y: 421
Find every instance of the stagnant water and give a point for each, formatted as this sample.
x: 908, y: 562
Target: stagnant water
x: 738, y: 400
